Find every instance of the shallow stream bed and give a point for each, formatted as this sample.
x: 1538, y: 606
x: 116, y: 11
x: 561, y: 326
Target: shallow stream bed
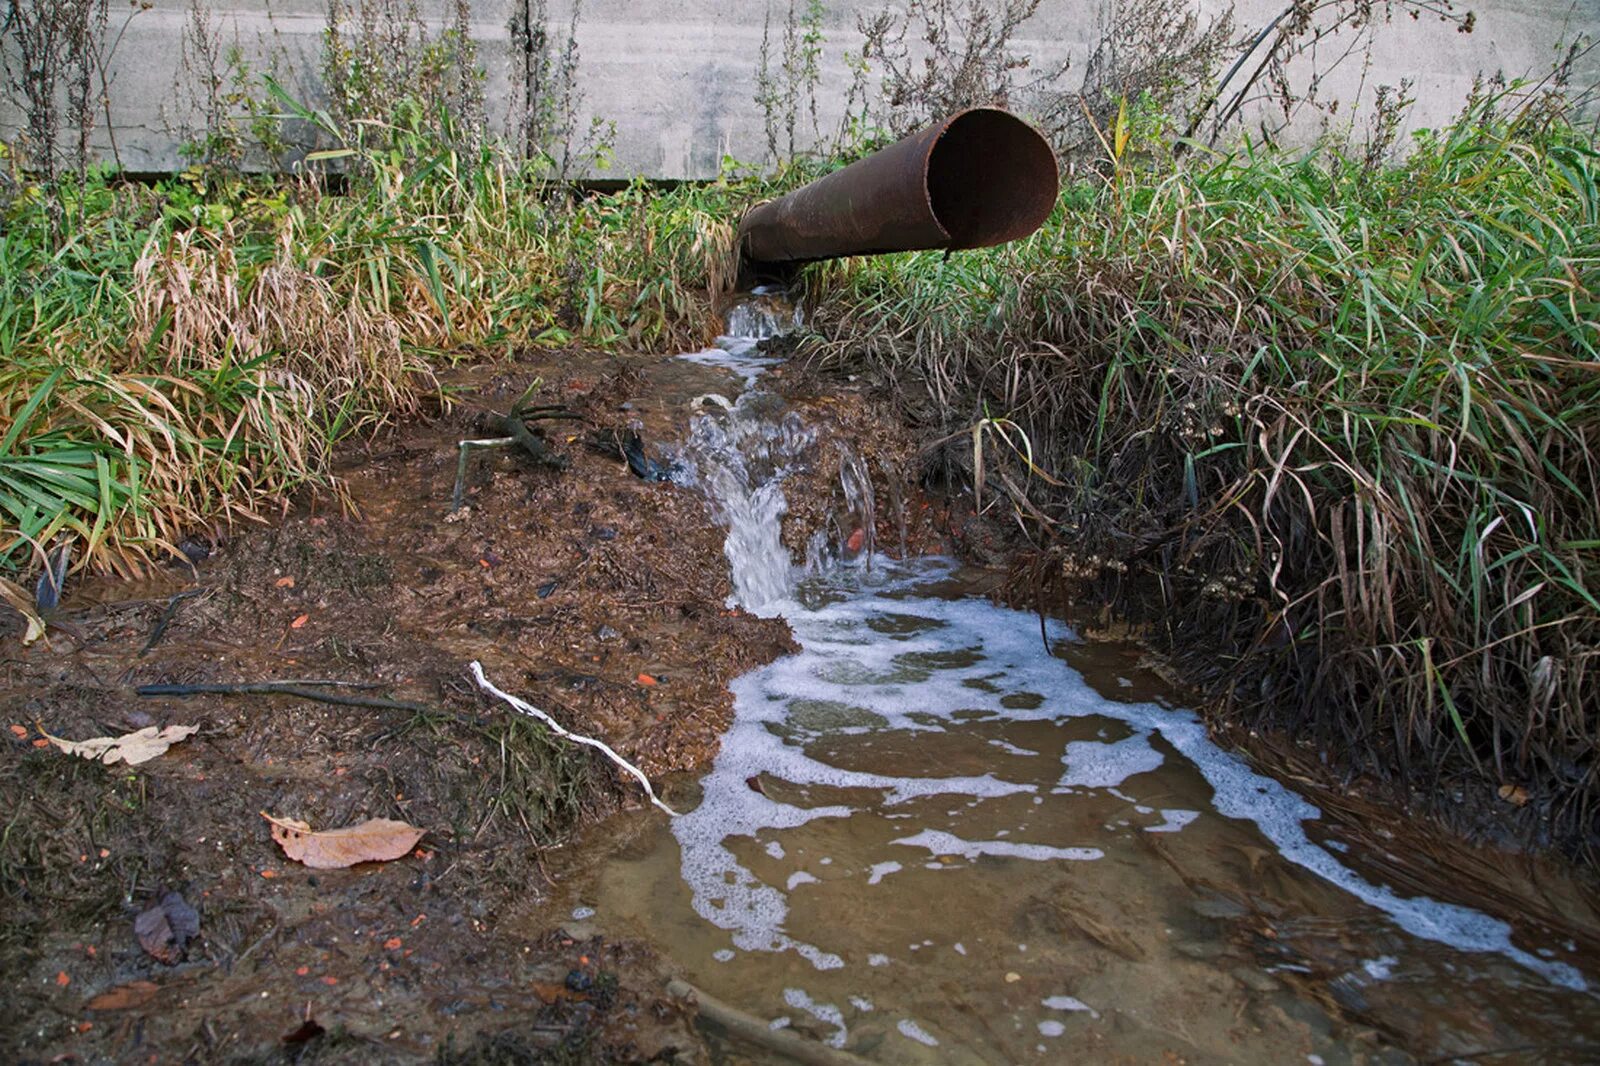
x: 928, y: 838
x: 945, y: 832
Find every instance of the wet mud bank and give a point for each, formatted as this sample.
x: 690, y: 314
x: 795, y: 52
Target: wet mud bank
x: 885, y: 744
x: 593, y: 593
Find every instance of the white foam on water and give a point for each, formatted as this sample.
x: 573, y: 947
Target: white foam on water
x: 798, y: 878
x: 1010, y: 748
x: 1380, y: 969
x: 826, y: 1013
x: 880, y: 870
x: 1092, y: 764
x: 941, y: 843
x: 913, y: 683
x: 911, y: 1029
x: 862, y: 1004
x: 1069, y: 1003
x: 1174, y: 819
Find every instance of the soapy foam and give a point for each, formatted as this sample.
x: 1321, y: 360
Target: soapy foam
x: 826, y: 1013
x: 1069, y: 1003
x: 914, y: 684
x: 921, y: 665
x: 942, y: 843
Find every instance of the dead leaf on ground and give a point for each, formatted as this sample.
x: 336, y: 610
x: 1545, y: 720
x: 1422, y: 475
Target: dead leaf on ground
x: 132, y: 748
x: 375, y: 840
x: 124, y: 997
x: 1514, y: 794
x: 549, y: 992
x: 18, y: 600
x: 166, y: 928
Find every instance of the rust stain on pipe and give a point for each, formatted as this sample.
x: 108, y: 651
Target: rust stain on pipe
x: 980, y: 177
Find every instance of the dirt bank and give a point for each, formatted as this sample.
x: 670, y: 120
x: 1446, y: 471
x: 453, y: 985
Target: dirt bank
x: 594, y: 594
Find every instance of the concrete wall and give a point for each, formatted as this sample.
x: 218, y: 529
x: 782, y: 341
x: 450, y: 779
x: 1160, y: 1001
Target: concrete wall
x: 678, y: 77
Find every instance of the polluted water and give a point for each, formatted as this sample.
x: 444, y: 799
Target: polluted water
x: 929, y: 838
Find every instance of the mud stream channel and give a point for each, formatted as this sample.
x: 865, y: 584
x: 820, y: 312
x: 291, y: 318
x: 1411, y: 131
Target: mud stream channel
x: 912, y: 826
x: 943, y: 833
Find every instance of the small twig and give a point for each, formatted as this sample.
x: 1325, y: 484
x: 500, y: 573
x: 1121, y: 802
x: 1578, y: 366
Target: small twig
x: 534, y: 712
x: 166, y: 618
x: 280, y: 688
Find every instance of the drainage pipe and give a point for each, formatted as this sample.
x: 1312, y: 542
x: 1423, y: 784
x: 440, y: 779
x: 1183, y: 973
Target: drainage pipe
x: 978, y: 178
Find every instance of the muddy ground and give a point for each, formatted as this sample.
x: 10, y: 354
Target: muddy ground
x: 594, y: 594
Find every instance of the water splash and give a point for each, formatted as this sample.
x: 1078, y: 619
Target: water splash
x: 739, y: 453
x: 739, y: 457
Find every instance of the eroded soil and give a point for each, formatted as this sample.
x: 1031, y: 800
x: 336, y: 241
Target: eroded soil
x: 592, y: 593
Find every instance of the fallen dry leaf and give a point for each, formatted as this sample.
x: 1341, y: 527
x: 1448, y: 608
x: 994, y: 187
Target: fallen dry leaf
x: 300, y: 621
x: 19, y: 731
x: 18, y: 600
x: 283, y: 583
x: 166, y: 927
x: 549, y: 992
x: 1514, y: 794
x: 375, y: 840
x: 124, y: 997
x: 131, y: 748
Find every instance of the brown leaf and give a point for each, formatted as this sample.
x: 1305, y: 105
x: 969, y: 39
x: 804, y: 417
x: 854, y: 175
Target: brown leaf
x: 375, y: 840
x: 132, y: 748
x: 166, y: 927
x: 1514, y: 794
x: 300, y: 621
x: 283, y: 583
x: 13, y: 596
x: 124, y: 997
x: 549, y: 992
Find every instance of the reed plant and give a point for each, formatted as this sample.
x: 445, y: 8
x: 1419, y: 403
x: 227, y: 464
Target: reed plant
x: 1331, y: 420
x: 189, y: 354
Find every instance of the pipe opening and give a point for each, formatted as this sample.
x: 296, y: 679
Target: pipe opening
x: 991, y: 179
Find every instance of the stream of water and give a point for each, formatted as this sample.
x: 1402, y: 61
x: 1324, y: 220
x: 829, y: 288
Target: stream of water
x: 929, y: 838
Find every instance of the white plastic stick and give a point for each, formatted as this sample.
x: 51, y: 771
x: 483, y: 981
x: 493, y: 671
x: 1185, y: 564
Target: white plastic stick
x: 533, y: 712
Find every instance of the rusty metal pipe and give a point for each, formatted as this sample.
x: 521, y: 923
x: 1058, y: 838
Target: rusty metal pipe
x: 980, y: 177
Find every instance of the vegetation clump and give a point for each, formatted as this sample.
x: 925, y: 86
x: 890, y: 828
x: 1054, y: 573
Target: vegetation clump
x: 1326, y: 415
x: 1329, y: 419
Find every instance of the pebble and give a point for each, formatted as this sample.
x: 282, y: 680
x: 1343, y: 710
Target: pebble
x: 1254, y: 979
x: 1218, y: 907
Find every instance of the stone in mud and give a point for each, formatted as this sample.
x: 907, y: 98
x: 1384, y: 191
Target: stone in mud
x: 1200, y: 950
x: 1219, y: 907
x: 1254, y: 979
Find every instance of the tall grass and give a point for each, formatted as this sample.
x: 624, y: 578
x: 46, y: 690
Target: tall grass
x: 1338, y: 418
x: 191, y: 353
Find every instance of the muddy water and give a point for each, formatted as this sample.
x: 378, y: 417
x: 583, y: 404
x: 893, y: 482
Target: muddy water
x: 929, y: 837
